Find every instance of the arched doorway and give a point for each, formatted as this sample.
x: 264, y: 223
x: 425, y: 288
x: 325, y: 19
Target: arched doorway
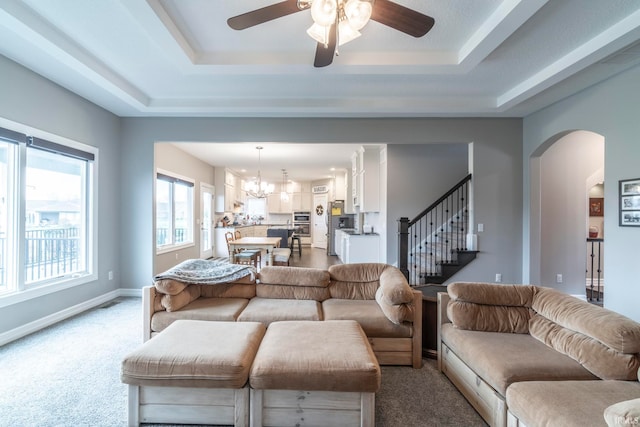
x: 562, y: 169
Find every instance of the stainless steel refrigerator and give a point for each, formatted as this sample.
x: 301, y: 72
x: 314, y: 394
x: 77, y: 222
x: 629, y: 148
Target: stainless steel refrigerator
x: 336, y: 219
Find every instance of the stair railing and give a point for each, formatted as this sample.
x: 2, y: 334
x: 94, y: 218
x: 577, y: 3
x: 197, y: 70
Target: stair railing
x: 433, y: 237
x: 595, y: 286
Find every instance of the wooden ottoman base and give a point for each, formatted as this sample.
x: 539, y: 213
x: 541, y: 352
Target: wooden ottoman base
x: 182, y: 405
x: 314, y: 374
x: 311, y: 408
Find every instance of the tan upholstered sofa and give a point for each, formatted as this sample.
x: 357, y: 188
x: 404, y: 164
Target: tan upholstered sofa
x: 532, y: 356
x: 376, y: 295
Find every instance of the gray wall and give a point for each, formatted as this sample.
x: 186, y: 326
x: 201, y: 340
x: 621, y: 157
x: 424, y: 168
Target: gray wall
x: 171, y: 159
x: 34, y: 101
x: 429, y: 170
x: 565, y: 169
x: 497, y: 164
x: 611, y: 110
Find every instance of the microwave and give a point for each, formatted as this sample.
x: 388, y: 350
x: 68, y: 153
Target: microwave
x: 304, y: 216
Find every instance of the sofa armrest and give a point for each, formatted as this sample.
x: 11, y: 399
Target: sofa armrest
x: 443, y: 301
x: 148, y: 308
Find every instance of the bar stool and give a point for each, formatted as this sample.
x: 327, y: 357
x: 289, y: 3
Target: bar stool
x: 296, y: 238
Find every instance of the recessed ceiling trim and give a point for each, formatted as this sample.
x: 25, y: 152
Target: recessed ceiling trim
x: 604, y: 44
x: 506, y: 19
x: 31, y: 27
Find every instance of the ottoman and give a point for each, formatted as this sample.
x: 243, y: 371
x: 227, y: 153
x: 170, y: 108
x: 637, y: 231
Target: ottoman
x: 193, y: 372
x: 314, y: 373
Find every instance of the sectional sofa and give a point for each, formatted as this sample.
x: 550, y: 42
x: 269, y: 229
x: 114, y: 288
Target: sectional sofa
x: 375, y: 295
x: 531, y: 356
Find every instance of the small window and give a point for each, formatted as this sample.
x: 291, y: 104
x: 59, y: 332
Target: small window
x: 174, y: 212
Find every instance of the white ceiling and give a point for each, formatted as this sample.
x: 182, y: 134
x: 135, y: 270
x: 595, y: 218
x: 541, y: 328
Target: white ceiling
x: 486, y: 58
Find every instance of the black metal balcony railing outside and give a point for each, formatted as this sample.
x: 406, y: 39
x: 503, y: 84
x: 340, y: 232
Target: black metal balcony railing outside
x: 49, y: 252
x: 163, y: 233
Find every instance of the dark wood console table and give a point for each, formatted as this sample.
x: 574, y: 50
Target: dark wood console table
x: 430, y: 318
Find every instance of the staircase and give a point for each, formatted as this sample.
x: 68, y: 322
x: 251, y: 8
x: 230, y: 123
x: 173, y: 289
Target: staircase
x: 432, y: 247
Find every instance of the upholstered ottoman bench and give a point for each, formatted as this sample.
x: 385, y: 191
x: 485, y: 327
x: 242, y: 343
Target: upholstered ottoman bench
x: 314, y: 373
x: 193, y: 372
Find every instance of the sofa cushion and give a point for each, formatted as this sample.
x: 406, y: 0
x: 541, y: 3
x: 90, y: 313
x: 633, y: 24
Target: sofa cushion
x: 177, y: 301
x: 546, y: 403
x: 229, y: 290
x: 612, y: 329
x: 492, y: 294
x: 292, y: 292
x: 195, y: 354
x: 502, y: 359
x: 294, y: 276
x: 369, y: 315
x: 623, y: 413
x: 218, y: 309
x: 328, y: 356
x: 489, y: 318
x: 170, y: 286
x: 268, y: 310
x: 355, y: 281
x: 603, y: 361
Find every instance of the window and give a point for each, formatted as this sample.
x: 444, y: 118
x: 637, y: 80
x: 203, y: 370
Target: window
x: 174, y: 212
x: 46, y: 214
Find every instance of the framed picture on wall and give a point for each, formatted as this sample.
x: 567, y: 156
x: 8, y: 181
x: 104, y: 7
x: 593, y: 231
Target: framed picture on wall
x: 596, y: 206
x: 630, y: 202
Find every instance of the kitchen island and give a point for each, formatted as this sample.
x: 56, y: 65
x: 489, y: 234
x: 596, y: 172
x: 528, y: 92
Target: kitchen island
x: 353, y: 247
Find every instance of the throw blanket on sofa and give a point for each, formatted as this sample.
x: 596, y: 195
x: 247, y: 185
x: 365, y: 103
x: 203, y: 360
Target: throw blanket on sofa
x: 204, y: 272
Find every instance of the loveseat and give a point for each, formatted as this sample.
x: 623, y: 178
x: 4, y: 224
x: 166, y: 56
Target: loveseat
x: 375, y: 295
x: 532, y: 356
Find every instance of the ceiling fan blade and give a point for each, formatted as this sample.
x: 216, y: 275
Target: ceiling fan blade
x: 324, y: 54
x: 401, y: 18
x: 264, y: 14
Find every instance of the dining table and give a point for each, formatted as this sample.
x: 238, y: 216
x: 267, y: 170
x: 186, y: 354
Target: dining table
x: 266, y: 243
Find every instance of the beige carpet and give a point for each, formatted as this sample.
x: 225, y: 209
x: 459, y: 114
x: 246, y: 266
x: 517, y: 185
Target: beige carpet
x: 69, y: 375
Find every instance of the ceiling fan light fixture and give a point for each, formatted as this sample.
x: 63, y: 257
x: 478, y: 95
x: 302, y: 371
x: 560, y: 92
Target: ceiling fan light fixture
x: 358, y: 13
x: 324, y: 12
x: 346, y: 33
x: 319, y: 33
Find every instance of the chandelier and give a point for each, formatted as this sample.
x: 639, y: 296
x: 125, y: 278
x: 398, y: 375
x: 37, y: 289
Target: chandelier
x: 350, y: 16
x: 257, y: 188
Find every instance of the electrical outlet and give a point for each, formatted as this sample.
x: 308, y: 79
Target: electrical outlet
x: 498, y: 277
x: 176, y: 256
x: 558, y: 278
x: 480, y: 228
x: 111, y: 275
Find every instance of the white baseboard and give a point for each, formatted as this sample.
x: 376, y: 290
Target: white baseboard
x: 36, y: 325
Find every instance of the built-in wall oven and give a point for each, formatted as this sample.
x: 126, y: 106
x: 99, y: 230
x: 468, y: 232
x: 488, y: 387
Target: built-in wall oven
x: 302, y: 221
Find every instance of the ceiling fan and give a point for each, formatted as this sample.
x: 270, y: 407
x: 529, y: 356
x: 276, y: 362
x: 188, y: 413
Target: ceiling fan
x: 338, y: 21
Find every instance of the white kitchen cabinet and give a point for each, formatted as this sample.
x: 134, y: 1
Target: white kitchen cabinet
x: 275, y: 204
x: 229, y: 197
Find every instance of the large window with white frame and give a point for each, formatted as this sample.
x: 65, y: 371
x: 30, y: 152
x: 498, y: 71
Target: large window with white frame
x: 46, y: 213
x: 174, y: 211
